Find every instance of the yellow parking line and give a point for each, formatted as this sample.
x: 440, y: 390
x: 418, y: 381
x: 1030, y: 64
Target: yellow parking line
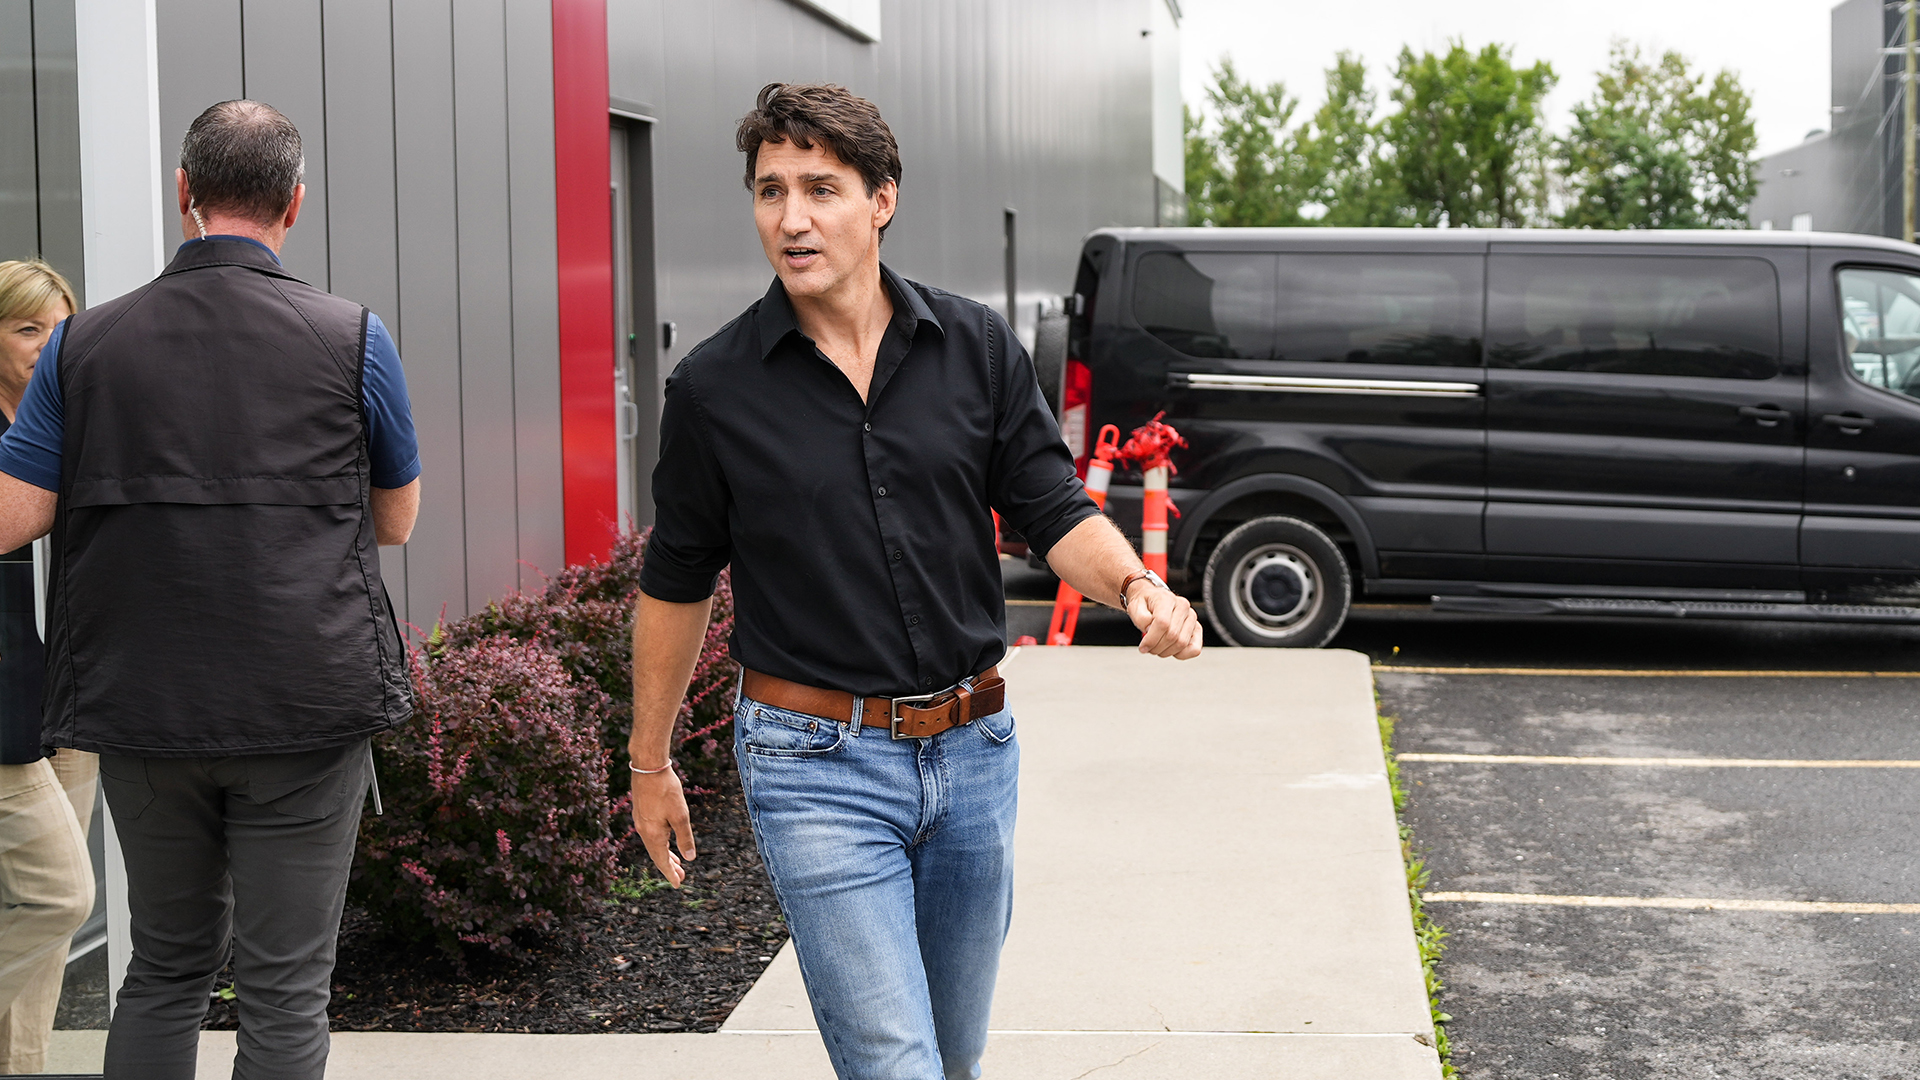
x: 1648, y: 673
x: 1689, y: 903
x: 1663, y: 762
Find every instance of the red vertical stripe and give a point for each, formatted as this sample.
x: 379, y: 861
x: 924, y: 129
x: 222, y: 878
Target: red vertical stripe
x: 585, y: 241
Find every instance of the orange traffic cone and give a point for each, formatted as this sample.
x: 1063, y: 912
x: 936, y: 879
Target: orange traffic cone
x: 1151, y: 445
x: 1066, y: 603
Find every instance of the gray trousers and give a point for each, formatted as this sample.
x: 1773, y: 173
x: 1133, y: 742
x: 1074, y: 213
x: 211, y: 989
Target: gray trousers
x: 247, y: 854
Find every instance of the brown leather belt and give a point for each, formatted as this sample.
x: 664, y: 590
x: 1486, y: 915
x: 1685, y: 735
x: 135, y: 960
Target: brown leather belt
x: 905, y: 717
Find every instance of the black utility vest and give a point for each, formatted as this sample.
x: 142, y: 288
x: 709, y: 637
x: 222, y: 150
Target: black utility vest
x: 216, y: 585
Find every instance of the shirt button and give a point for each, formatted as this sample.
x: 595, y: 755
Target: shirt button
x: 883, y: 493
x: 897, y: 555
x: 866, y: 427
x: 915, y: 620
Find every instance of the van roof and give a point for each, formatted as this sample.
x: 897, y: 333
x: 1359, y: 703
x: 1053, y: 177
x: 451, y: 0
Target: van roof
x: 1228, y: 237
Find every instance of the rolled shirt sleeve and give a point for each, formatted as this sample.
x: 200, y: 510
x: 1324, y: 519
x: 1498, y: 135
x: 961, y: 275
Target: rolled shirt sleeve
x: 1031, y: 478
x: 691, y: 540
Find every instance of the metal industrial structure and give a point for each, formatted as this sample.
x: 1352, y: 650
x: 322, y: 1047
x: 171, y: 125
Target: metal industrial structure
x: 542, y: 200
x: 1851, y: 178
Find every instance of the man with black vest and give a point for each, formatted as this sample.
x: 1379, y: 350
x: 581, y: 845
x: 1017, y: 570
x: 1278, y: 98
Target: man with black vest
x: 217, y: 455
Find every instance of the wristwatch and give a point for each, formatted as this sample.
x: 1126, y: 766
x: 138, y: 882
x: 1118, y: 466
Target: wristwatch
x: 1140, y: 575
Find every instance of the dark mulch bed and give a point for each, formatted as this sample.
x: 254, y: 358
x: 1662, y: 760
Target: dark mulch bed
x: 654, y: 960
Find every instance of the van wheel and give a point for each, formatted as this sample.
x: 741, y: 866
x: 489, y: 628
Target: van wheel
x: 1277, y: 582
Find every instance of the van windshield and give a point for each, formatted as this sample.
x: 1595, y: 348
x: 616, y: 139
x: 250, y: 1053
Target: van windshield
x: 1880, y: 328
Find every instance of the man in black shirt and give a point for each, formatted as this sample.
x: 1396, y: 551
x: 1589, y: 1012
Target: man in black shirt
x: 843, y: 445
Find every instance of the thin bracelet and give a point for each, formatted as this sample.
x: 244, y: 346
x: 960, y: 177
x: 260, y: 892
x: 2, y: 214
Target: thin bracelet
x: 650, y: 772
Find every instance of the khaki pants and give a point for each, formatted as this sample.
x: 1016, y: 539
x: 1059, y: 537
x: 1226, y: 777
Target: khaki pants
x: 46, y: 893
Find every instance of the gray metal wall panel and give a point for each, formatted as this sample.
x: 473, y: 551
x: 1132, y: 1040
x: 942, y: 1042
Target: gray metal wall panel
x: 201, y: 63
x: 486, y: 298
x: 1041, y: 105
x: 430, y: 298
x: 536, y: 318
x: 362, y: 246
x: 57, y: 127
x: 429, y: 136
x: 19, y: 164
x: 281, y: 41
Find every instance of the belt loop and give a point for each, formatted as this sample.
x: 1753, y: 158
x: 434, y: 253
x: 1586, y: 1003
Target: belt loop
x: 859, y: 714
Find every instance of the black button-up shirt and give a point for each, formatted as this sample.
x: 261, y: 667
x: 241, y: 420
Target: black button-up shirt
x: 860, y: 534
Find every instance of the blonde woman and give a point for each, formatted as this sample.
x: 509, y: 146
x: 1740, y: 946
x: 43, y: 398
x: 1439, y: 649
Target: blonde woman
x: 46, y: 804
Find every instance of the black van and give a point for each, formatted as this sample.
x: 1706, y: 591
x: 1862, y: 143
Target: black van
x: 1716, y: 424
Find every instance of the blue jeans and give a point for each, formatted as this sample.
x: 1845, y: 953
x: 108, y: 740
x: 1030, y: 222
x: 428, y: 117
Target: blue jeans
x: 893, y: 864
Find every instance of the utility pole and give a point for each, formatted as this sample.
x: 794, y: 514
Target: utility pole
x: 1906, y: 176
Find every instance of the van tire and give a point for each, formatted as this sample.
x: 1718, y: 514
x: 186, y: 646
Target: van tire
x: 1277, y: 582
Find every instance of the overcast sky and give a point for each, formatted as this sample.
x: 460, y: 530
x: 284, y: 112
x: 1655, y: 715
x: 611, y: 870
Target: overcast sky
x: 1778, y: 47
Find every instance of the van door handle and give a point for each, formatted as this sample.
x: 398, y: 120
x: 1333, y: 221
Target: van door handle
x: 1765, y: 415
x: 1848, y: 423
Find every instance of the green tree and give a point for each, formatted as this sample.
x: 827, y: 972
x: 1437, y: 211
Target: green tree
x: 1659, y: 147
x: 1466, y: 137
x: 1340, y: 153
x: 1248, y: 169
x: 1204, y: 174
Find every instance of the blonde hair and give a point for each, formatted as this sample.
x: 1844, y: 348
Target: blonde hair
x: 29, y: 286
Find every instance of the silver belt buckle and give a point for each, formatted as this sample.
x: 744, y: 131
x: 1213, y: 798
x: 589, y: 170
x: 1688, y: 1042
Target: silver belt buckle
x: 893, y: 710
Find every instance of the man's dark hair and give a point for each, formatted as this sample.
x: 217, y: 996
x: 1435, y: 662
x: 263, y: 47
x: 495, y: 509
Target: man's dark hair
x: 243, y: 158
x: 809, y: 114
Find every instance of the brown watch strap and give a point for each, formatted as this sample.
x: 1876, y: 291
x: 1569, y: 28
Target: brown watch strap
x: 1127, y: 583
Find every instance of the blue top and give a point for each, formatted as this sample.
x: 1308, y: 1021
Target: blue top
x: 30, y: 449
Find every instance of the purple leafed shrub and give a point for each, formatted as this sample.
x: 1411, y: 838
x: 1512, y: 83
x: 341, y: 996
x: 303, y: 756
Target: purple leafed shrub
x: 585, y: 614
x: 506, y: 794
x: 496, y: 823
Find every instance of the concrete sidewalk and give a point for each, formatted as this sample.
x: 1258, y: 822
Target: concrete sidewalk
x: 1208, y: 883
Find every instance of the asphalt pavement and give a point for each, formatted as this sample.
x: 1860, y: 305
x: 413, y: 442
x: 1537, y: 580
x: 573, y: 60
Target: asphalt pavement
x: 1542, y: 991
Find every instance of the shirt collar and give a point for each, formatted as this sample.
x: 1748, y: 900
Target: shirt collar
x: 227, y: 236
x: 775, y: 319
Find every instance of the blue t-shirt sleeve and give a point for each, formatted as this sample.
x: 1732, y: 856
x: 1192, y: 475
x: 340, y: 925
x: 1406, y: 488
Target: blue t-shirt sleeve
x: 30, y: 450
x: 383, y: 386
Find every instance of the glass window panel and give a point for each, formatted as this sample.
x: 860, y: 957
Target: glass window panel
x: 1635, y: 315
x: 1880, y: 328
x: 1207, y: 304
x: 1379, y: 309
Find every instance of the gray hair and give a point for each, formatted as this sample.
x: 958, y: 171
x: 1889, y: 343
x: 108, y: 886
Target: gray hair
x: 243, y: 158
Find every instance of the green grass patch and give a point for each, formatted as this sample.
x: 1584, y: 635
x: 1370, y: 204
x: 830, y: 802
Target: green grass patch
x: 636, y: 884
x: 1429, y: 935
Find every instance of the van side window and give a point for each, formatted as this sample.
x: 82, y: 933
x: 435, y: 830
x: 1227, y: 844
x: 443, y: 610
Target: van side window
x: 1880, y: 328
x: 1379, y: 309
x: 1207, y: 304
x: 1634, y: 315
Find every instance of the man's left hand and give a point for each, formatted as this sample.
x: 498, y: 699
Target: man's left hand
x: 1167, y: 622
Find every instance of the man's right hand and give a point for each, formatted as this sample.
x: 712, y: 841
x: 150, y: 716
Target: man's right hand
x: 667, y: 638
x: 660, y: 810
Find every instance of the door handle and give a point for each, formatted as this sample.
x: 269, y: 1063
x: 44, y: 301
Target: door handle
x: 1848, y: 423
x: 1765, y: 415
